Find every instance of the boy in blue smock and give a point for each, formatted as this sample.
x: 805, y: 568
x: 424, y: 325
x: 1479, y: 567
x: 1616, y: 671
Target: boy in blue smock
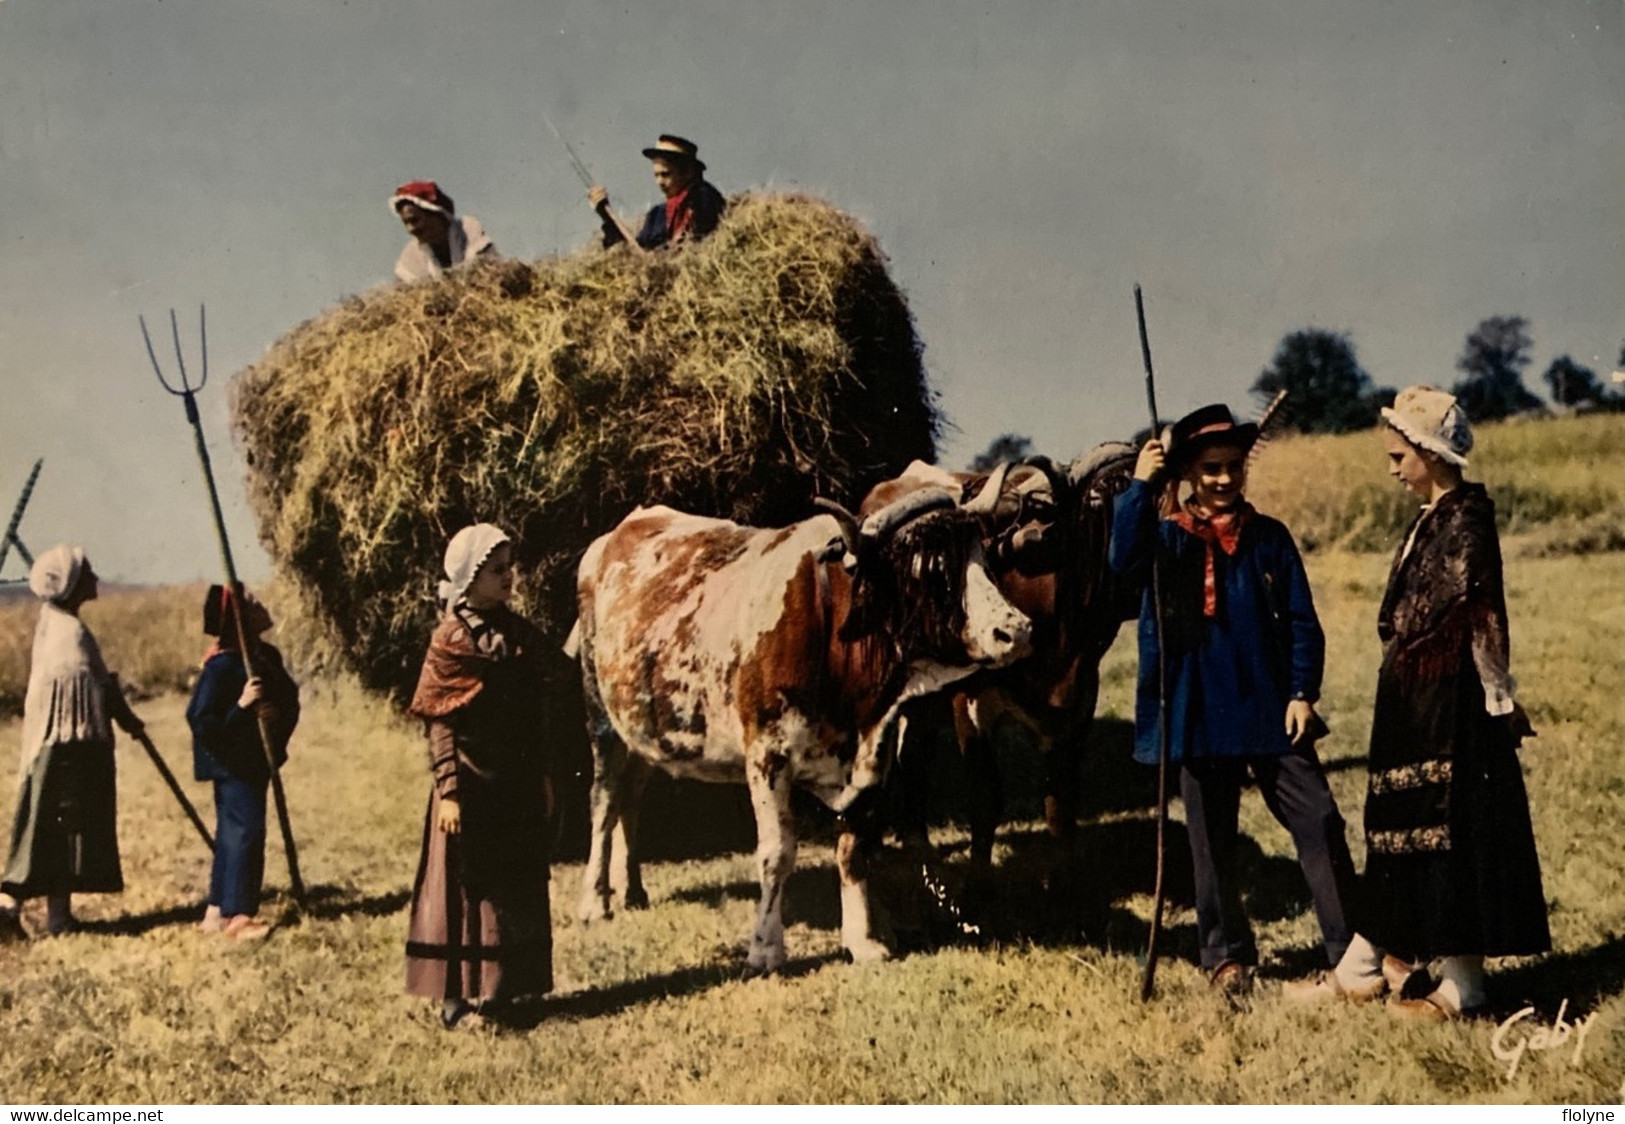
x: 224, y: 714
x: 1243, y: 664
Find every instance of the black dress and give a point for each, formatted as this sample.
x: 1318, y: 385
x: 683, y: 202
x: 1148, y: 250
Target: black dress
x: 1451, y: 867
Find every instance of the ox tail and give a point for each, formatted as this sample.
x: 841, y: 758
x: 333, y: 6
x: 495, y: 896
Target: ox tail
x: 572, y: 643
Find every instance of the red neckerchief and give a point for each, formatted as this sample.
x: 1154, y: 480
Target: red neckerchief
x: 218, y: 648
x: 679, y: 216
x: 1223, y: 529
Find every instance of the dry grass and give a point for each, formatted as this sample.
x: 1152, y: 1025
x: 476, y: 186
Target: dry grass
x: 737, y: 377
x: 1558, y: 484
x: 650, y: 1008
x: 151, y: 637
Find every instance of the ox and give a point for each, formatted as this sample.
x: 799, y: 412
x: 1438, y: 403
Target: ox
x: 776, y: 658
x: 1046, y: 534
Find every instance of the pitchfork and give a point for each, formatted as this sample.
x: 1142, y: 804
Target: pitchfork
x: 188, y: 392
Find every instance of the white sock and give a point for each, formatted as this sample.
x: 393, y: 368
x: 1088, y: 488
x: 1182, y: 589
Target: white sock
x: 11, y: 905
x: 1361, y: 964
x: 1461, y: 981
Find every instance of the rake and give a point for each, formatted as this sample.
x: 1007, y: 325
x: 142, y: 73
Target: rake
x: 10, y: 539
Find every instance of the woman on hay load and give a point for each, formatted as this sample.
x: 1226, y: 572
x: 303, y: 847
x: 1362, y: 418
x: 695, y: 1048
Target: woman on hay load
x: 480, y: 930
x: 1451, y: 871
x: 441, y: 240
x: 64, y: 839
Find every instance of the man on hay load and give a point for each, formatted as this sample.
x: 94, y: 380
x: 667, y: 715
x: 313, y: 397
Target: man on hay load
x: 692, y: 208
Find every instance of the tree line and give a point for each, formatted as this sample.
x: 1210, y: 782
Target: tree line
x: 1329, y: 392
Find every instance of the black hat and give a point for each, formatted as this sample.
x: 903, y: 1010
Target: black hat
x: 214, y: 608
x: 1211, y: 425
x: 669, y: 147
x: 217, y: 607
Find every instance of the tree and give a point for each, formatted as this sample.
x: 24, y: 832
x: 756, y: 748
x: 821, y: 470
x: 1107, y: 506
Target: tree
x: 1493, y: 360
x: 1572, y: 384
x: 1004, y: 447
x: 1327, y: 389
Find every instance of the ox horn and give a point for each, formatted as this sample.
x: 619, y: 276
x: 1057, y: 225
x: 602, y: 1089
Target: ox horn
x: 885, y: 521
x: 1057, y: 478
x: 848, y: 522
x: 988, y: 498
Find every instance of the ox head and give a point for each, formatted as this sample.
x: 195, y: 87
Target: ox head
x: 1051, y: 525
x: 1021, y: 507
x: 920, y: 584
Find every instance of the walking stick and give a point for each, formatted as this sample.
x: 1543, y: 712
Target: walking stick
x: 1149, y: 977
x: 175, y: 787
x: 189, y: 392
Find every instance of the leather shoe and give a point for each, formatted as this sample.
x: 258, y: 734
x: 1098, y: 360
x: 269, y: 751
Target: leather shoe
x: 1231, y: 977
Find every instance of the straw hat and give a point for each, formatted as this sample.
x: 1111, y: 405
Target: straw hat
x: 669, y: 147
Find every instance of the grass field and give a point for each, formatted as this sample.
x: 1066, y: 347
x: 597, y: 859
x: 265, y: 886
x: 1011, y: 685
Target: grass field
x: 650, y: 1006
x: 1558, y: 484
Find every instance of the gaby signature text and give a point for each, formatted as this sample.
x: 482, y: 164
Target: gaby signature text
x: 1520, y: 1033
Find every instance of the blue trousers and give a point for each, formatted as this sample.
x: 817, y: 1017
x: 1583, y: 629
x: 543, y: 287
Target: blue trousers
x: 1295, y: 791
x: 239, y: 846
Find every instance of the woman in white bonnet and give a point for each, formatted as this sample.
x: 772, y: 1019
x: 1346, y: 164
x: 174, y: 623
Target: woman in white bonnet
x: 1451, y: 870
x: 480, y: 933
x: 64, y: 839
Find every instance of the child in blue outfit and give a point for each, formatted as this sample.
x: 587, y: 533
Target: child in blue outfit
x: 1243, y: 668
x: 224, y: 715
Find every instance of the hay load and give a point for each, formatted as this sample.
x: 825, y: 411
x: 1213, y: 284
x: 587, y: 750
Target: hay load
x: 738, y: 377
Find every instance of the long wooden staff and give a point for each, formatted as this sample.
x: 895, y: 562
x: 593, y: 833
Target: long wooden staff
x: 1150, y: 974
x: 189, y: 393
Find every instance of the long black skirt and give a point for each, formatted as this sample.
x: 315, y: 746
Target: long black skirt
x: 1478, y: 894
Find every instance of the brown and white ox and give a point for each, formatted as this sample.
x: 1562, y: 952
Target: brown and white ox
x: 1045, y: 532
x: 776, y: 658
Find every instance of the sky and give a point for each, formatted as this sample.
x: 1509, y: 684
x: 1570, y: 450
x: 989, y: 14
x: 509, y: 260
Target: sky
x: 1398, y: 171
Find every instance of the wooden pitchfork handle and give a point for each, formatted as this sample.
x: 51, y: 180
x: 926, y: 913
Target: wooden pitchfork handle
x: 608, y: 212
x: 140, y: 735
x: 188, y: 392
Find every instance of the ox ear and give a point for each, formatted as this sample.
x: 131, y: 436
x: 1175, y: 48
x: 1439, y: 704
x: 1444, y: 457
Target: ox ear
x: 988, y: 498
